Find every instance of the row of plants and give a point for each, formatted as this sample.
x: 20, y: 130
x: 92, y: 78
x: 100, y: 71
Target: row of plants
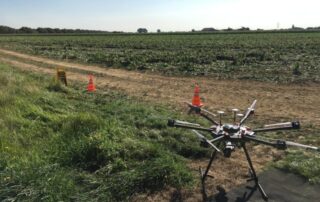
x: 262, y: 56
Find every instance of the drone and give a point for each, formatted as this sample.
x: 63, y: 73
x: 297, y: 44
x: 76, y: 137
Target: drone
x: 236, y: 135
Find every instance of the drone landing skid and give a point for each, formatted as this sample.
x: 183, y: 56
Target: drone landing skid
x: 254, y: 177
x: 202, y: 173
x: 253, y: 174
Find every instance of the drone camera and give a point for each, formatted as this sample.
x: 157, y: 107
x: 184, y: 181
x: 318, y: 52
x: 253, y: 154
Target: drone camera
x: 228, y: 149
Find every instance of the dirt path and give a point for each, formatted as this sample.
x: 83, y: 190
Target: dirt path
x: 276, y: 102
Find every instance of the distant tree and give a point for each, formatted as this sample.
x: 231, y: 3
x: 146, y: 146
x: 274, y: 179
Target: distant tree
x: 56, y: 30
x: 159, y: 31
x: 44, y: 30
x: 142, y: 30
x: 26, y: 30
x: 228, y: 29
x: 244, y: 29
x: 193, y: 30
x: 313, y: 28
x: 7, y: 30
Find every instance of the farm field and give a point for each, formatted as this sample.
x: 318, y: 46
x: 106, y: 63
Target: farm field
x: 123, y: 142
x: 272, y: 57
x: 126, y: 134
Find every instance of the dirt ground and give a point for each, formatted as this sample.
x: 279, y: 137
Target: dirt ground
x: 276, y: 102
x: 278, y: 185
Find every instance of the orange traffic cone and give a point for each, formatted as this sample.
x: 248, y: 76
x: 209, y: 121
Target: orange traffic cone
x: 196, y: 98
x: 91, y: 87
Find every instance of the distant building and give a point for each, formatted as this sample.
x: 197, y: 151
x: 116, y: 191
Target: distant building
x: 209, y: 29
x: 296, y: 28
x: 142, y: 30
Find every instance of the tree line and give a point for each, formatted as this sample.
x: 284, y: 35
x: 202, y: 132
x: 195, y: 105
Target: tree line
x: 43, y: 30
x: 47, y: 30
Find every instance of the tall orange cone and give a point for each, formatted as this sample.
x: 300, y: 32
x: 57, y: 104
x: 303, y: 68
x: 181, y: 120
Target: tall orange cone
x: 91, y: 87
x: 196, y: 98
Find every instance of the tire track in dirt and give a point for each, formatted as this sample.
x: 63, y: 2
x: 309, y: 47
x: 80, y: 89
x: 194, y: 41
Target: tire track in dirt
x: 274, y: 100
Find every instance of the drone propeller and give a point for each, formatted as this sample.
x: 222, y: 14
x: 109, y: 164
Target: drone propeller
x: 202, y: 138
x: 248, y: 112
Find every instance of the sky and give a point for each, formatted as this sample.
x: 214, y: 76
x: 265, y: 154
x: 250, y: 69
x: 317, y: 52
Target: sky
x: 167, y: 15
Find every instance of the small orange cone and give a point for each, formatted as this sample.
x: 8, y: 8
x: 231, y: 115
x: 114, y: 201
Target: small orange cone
x: 91, y: 87
x: 196, y: 98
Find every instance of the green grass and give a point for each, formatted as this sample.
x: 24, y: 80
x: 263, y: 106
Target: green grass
x: 272, y: 57
x: 302, y: 163
x: 62, y: 144
x: 59, y: 143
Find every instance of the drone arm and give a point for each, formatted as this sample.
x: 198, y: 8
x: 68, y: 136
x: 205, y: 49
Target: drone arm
x: 208, y: 118
x: 216, y: 139
x: 248, y: 112
x: 278, y: 144
x: 202, y: 112
x: 279, y: 126
x: 182, y: 124
x: 281, y: 144
x: 208, y: 141
x: 289, y: 143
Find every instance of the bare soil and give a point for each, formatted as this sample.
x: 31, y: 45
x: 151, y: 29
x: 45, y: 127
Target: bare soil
x: 276, y: 102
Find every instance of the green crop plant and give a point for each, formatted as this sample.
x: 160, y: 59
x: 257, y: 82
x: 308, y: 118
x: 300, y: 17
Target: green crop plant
x: 251, y: 56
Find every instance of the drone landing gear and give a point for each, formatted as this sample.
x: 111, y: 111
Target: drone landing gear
x: 205, y: 174
x: 254, y: 177
x: 253, y: 174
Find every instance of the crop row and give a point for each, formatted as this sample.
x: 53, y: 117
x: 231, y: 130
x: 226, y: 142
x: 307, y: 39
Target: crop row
x: 279, y: 57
